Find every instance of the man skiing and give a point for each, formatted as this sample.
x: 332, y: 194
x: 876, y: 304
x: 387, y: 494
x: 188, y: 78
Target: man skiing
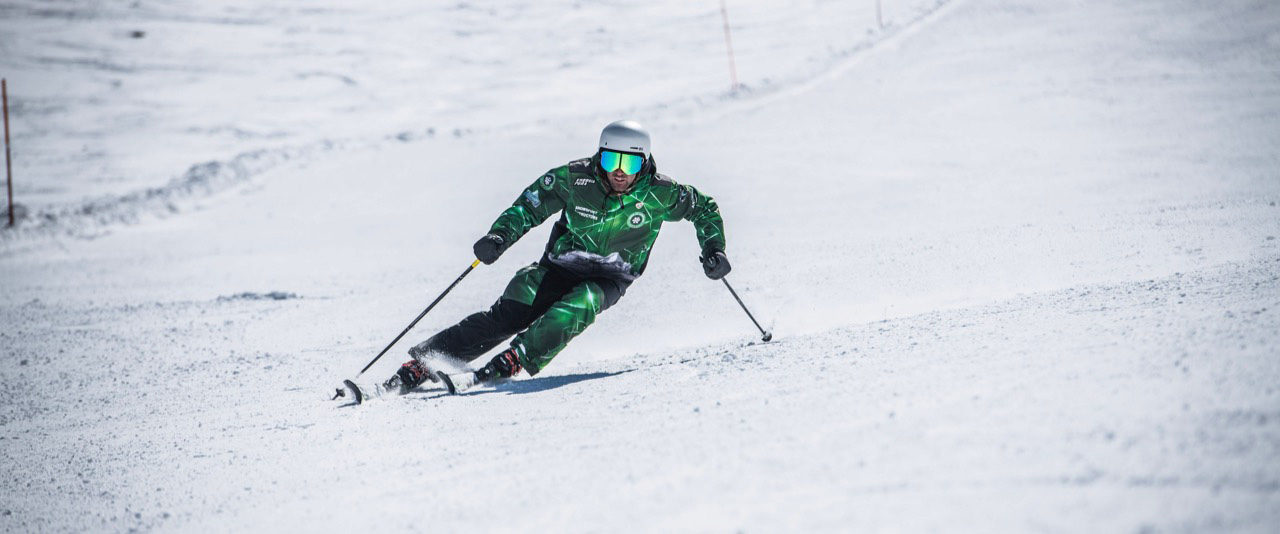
x: 612, y: 206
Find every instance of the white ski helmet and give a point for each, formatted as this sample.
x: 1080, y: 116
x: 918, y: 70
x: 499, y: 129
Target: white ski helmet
x: 625, y: 136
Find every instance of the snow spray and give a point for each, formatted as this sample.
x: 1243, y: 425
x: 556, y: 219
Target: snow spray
x: 474, y: 264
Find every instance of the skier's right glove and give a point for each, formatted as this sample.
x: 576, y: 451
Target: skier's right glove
x: 715, y: 264
x: 489, y: 247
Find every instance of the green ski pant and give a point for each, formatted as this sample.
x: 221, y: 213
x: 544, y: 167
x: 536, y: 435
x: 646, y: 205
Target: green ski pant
x: 543, y: 306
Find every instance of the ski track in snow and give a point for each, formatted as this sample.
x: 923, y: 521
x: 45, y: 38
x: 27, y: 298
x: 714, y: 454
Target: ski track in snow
x: 80, y: 184
x: 1020, y: 263
x: 954, y: 408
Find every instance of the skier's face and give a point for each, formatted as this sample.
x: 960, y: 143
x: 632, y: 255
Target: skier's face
x: 621, y: 181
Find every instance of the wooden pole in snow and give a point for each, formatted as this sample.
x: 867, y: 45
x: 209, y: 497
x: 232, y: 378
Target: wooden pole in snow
x: 8, y: 169
x: 728, y: 43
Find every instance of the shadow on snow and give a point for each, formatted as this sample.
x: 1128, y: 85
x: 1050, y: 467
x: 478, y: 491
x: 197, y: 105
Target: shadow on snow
x: 535, y: 385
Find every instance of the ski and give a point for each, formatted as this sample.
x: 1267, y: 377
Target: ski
x: 361, y: 393
x: 457, y: 383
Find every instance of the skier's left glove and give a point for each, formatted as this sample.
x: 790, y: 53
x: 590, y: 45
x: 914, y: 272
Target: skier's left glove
x: 489, y: 247
x: 715, y: 264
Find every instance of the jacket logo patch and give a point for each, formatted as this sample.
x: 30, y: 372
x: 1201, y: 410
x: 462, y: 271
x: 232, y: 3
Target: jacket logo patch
x: 587, y: 212
x: 548, y: 181
x: 583, y: 181
x: 636, y: 220
x: 532, y: 196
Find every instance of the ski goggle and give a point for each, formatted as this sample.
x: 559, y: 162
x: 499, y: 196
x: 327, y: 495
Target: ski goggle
x: 629, y: 163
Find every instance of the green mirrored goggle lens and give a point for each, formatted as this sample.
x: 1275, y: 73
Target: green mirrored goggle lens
x: 629, y: 163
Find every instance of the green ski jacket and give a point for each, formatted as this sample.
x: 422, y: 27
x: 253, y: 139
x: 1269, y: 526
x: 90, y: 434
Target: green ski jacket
x: 600, y: 223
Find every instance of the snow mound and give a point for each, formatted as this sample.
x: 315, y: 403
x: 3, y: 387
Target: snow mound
x: 273, y: 295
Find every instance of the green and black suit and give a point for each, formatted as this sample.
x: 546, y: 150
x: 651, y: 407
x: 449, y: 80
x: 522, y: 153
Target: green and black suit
x: 600, y: 244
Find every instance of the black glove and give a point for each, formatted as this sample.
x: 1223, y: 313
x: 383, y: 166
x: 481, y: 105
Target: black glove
x: 489, y: 247
x: 715, y: 264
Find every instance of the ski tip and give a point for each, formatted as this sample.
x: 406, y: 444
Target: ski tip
x: 355, y: 391
x: 447, y: 382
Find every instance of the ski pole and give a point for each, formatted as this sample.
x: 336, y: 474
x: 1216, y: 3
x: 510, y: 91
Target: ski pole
x: 766, y: 336
x: 420, y: 316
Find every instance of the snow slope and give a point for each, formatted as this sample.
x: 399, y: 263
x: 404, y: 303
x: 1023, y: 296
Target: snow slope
x: 1019, y: 259
x: 122, y: 111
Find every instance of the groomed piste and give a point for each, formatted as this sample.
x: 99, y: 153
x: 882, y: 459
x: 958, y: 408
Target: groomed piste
x: 1018, y: 258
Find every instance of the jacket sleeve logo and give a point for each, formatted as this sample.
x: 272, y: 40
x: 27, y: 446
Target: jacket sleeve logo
x: 532, y: 197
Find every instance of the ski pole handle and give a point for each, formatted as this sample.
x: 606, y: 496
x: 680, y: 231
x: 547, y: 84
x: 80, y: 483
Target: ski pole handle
x: 765, y: 336
x: 420, y: 316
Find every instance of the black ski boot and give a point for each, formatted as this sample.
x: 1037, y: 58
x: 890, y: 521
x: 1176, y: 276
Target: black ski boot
x: 505, y: 365
x: 411, y: 375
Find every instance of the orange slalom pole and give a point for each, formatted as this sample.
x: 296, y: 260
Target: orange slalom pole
x: 8, y: 168
x: 728, y: 43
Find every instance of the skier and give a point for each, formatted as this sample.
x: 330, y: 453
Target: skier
x: 612, y: 206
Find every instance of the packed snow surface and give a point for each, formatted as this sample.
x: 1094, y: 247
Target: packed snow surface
x: 1019, y: 259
